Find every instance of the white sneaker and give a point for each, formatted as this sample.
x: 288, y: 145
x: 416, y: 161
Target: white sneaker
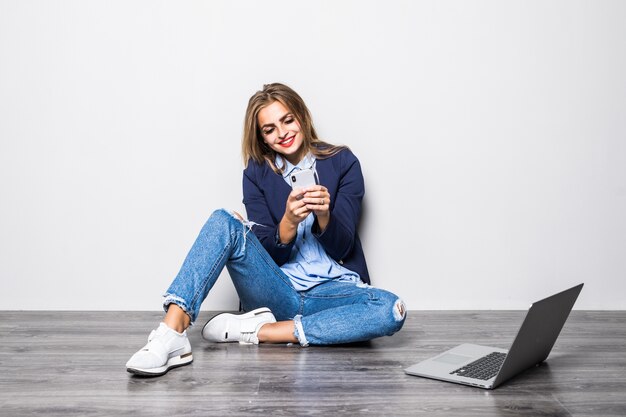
x: 166, y: 349
x: 242, y: 328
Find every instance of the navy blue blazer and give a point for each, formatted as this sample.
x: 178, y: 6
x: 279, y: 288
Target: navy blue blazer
x: 265, y: 197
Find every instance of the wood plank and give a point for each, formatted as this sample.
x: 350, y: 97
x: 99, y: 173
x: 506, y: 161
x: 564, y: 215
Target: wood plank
x: 72, y: 363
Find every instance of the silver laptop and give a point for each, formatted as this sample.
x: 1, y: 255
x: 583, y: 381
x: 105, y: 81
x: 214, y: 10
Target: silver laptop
x: 488, y: 367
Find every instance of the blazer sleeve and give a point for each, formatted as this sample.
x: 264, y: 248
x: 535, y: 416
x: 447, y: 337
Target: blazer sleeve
x: 265, y: 227
x: 340, y: 234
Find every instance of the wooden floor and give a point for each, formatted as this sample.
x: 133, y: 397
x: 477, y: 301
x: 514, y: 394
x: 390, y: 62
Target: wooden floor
x: 72, y: 364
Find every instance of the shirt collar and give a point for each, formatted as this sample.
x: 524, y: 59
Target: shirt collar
x: 307, y: 162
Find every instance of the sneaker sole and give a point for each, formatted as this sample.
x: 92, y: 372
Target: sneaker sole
x: 240, y: 316
x: 175, y: 362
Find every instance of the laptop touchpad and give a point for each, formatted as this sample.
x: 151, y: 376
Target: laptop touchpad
x: 452, y: 359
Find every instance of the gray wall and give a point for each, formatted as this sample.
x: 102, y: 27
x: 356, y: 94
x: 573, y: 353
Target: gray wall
x: 492, y: 136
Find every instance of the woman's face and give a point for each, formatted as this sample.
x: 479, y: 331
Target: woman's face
x: 281, y: 131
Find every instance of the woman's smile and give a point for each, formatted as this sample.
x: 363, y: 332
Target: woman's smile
x: 285, y: 143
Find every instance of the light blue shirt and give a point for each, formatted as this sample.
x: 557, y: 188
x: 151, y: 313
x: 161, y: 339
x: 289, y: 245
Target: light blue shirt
x: 309, y: 264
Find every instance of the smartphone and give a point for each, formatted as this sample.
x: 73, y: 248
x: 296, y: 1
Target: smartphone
x: 303, y: 178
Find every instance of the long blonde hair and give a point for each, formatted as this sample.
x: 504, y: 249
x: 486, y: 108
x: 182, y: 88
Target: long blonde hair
x: 254, y: 147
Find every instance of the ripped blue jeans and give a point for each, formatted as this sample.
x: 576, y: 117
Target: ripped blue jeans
x: 330, y: 313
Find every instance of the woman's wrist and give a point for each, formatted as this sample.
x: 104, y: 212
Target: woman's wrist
x: 287, y: 230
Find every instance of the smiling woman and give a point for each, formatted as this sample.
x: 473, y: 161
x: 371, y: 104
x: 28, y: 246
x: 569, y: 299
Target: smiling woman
x: 301, y: 274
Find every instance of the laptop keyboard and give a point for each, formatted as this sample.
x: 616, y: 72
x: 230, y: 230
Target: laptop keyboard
x: 484, y: 368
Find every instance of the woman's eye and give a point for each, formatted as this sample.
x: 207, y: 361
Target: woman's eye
x: 268, y: 131
x: 288, y: 121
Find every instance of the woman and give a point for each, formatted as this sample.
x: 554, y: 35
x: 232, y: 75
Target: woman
x: 301, y: 275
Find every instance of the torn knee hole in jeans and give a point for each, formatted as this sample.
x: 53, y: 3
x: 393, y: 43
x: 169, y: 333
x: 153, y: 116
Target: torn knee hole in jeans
x: 247, y: 224
x: 399, y: 310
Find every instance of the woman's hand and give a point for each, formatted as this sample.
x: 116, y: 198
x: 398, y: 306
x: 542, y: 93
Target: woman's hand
x: 317, y: 200
x: 296, y: 209
x: 300, y: 203
x: 295, y: 212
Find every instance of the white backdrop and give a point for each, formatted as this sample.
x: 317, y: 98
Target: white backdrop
x: 492, y: 136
